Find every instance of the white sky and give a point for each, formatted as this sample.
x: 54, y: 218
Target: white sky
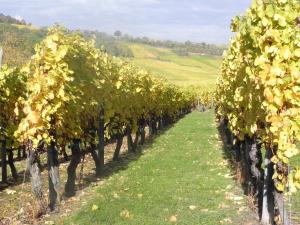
x: 181, y: 20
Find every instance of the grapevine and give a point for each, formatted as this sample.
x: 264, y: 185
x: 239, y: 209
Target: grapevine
x: 258, y: 90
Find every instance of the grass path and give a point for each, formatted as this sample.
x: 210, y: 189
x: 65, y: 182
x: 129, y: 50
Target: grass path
x: 181, y: 178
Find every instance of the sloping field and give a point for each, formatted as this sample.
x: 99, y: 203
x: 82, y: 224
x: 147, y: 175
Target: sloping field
x: 182, y: 70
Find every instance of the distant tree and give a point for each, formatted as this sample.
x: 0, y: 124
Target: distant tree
x: 126, y: 37
x: 145, y: 40
x: 109, y: 44
x: 188, y: 43
x: 10, y: 20
x: 118, y: 33
x: 180, y: 48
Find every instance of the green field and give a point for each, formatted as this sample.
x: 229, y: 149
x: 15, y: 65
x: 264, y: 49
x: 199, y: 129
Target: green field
x: 181, y: 70
x: 182, y: 177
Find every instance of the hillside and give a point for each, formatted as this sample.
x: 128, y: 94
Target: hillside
x: 181, y: 70
x: 18, y: 42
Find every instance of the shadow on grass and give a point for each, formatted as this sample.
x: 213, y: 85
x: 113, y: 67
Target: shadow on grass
x: 237, y: 172
x: 230, y: 154
x: 109, y: 168
x: 89, y: 178
x: 124, y: 161
x: 12, y: 182
x: 24, y: 176
x: 228, y: 151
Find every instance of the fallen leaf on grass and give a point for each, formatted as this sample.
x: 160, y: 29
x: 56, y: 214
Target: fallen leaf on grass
x: 238, y: 203
x: 10, y: 192
x: 226, y: 221
x: 228, y: 176
x: 231, y: 196
x: 223, y: 163
x: 237, y: 198
x: 140, y: 195
x: 68, y: 210
x: 223, y: 206
x: 126, y: 214
x: 83, y: 203
x: 173, y: 219
x: 243, y: 208
x: 21, y: 211
x: 94, y: 207
x: 115, y: 194
x: 204, y: 210
x: 192, y: 207
x: 101, y: 182
x: 228, y: 186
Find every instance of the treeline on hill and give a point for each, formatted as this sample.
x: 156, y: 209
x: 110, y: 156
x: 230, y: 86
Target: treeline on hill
x: 73, y: 94
x: 18, y: 43
x: 10, y: 20
x: 179, y: 48
x: 258, y: 99
x: 111, y: 44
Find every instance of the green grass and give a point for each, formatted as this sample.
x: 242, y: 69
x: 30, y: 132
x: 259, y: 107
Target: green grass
x: 181, y: 70
x: 182, y: 167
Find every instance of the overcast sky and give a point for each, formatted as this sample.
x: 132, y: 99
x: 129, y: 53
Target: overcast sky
x: 181, y: 20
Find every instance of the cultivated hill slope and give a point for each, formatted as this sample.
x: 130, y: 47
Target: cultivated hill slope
x: 182, y: 70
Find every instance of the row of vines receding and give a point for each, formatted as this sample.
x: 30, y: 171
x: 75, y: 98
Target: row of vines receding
x: 72, y: 99
x: 258, y: 103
